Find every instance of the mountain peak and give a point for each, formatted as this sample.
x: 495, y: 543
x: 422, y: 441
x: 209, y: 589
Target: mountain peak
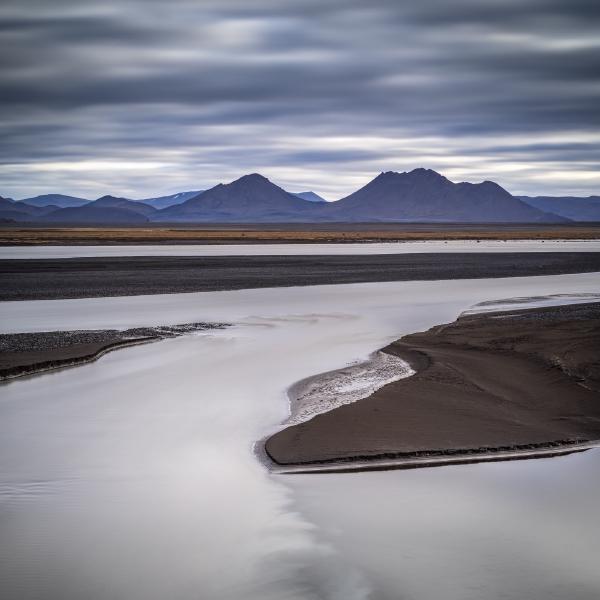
x: 425, y: 174
x: 251, y: 178
x: 419, y: 173
x: 109, y: 197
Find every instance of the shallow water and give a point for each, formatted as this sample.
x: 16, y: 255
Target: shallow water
x: 41, y: 252
x: 134, y: 476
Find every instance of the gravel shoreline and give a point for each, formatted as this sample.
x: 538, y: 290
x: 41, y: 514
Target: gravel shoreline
x: 51, y: 279
x: 24, y: 354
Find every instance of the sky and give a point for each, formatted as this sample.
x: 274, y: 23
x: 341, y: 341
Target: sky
x: 141, y: 98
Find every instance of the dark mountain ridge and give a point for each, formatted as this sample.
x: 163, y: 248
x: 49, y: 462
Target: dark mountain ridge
x: 108, y: 209
x: 171, y: 200
x: 571, y: 207
x: 56, y: 200
x: 19, y: 211
x: 249, y: 198
x: 423, y: 195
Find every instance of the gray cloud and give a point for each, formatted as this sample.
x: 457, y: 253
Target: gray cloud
x: 144, y: 97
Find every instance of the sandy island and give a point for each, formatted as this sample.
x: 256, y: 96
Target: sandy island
x: 487, y: 387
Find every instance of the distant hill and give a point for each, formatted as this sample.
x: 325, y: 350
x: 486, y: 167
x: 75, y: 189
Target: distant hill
x: 114, y: 202
x: 571, y: 207
x: 423, y: 195
x: 173, y: 199
x: 309, y: 196
x: 57, y: 200
x: 95, y: 215
x: 107, y: 209
x: 249, y: 198
x: 20, y: 211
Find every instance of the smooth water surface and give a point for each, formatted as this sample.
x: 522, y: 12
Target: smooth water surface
x: 413, y: 247
x: 134, y: 477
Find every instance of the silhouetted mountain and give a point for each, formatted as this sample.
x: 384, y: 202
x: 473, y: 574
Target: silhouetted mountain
x: 132, y: 205
x: 571, y: 207
x: 423, y: 195
x: 250, y: 198
x: 107, y: 209
x: 57, y: 200
x: 420, y: 195
x: 85, y: 214
x: 309, y: 196
x: 172, y: 200
x: 21, y: 211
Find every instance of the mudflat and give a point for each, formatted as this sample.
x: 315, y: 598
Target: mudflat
x: 484, y: 384
x: 125, y: 276
x: 29, y: 353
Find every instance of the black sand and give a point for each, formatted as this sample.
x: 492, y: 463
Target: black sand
x: 29, y: 353
x: 518, y: 381
x: 125, y: 276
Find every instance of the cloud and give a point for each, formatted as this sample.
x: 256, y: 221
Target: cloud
x: 212, y: 89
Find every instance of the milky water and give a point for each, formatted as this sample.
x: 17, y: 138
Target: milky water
x: 418, y: 247
x: 135, y: 477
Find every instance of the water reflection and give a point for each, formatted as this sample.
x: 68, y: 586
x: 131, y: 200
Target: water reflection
x: 521, y: 529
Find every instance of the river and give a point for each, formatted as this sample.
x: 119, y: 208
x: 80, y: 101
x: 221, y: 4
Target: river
x: 135, y: 477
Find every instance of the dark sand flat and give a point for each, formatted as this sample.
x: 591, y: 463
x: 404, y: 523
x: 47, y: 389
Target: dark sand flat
x: 485, y: 384
x: 126, y: 276
x: 29, y: 353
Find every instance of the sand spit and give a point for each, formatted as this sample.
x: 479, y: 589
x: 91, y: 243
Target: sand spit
x: 30, y: 353
x: 493, y: 386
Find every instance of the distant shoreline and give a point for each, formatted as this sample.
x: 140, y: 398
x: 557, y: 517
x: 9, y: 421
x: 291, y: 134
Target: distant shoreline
x: 30, y: 234
x: 492, y: 386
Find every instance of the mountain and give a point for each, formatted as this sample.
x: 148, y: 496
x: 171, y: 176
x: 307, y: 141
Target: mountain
x: 309, y: 196
x: 165, y: 201
x: 57, y: 200
x: 250, y: 198
x: 423, y: 195
x: 107, y: 209
x: 571, y: 207
x: 84, y: 214
x: 20, y: 211
x: 124, y: 203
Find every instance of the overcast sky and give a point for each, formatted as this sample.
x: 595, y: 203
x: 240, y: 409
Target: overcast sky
x: 144, y: 97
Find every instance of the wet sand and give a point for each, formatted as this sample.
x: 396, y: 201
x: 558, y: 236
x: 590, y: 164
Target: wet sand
x: 29, y: 353
x: 487, y: 386
x: 49, y: 279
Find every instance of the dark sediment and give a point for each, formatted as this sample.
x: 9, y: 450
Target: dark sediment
x: 485, y: 384
x: 126, y: 276
x: 29, y: 353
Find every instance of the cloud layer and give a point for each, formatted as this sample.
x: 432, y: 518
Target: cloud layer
x: 144, y: 97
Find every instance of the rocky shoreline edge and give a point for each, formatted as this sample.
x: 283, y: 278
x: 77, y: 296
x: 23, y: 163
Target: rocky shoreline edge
x: 26, y: 354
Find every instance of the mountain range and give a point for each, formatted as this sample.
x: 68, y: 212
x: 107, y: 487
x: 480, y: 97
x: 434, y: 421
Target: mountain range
x: 570, y: 207
x: 421, y: 195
